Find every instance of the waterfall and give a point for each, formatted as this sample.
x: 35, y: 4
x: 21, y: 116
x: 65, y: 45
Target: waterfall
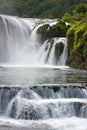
x: 6, y: 95
x: 20, y: 43
x: 17, y: 34
x: 31, y: 97
x: 22, y: 108
x: 44, y: 102
x: 50, y: 52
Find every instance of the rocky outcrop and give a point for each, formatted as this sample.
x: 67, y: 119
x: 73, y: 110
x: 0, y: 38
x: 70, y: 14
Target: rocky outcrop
x: 58, y: 30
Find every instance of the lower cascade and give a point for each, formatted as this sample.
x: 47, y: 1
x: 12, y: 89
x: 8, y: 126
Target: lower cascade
x: 20, y: 44
x: 44, y: 102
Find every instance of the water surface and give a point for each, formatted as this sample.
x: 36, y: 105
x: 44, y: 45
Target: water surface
x: 41, y: 75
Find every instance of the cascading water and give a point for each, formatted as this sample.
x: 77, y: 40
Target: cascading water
x: 20, y: 43
x: 17, y: 41
x: 50, y: 54
x: 47, y: 104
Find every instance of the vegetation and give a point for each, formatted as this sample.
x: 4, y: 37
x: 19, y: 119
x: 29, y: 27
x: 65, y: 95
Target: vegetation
x: 38, y: 8
x: 76, y: 33
x: 77, y: 39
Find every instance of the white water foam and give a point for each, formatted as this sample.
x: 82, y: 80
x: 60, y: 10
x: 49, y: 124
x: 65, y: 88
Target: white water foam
x: 51, y: 124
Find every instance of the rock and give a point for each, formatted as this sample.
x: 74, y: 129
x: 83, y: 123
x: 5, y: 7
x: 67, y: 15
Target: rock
x: 58, y: 30
x: 43, y: 30
x: 58, y: 50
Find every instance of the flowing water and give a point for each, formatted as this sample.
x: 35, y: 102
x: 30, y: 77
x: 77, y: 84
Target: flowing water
x: 37, y: 90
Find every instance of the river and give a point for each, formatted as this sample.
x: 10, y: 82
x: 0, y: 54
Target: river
x: 37, y: 90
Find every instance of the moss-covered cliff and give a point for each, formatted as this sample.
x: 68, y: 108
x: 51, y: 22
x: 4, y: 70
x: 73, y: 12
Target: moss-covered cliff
x: 77, y: 45
x: 76, y: 34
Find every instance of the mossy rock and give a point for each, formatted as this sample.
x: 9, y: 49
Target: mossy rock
x: 59, y: 50
x: 77, y: 45
x: 43, y: 31
x: 58, y: 30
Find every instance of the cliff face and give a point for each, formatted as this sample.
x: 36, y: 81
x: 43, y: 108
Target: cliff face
x: 77, y: 45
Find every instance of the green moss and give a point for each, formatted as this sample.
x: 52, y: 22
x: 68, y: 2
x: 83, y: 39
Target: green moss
x: 77, y: 45
x: 70, y: 39
x: 58, y: 30
x: 85, y: 44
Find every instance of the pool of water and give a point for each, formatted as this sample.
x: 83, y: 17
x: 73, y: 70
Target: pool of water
x: 41, y: 75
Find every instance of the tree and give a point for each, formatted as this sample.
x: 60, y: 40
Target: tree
x: 81, y: 8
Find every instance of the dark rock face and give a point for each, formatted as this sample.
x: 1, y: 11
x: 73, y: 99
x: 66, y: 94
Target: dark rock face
x: 58, y: 50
